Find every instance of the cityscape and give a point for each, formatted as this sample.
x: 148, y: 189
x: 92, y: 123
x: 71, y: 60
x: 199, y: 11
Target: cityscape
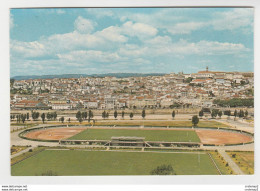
x: 174, y: 90
x: 132, y: 91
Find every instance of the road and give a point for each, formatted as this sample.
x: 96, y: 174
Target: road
x: 230, y: 162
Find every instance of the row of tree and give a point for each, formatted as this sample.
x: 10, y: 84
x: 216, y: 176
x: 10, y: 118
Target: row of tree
x: 131, y: 115
x: 84, y: 115
x: 79, y: 115
x: 51, y: 115
x: 19, y: 118
x: 217, y: 112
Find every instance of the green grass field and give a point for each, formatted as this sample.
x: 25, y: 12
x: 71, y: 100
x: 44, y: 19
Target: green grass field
x: 150, y: 135
x: 75, y: 162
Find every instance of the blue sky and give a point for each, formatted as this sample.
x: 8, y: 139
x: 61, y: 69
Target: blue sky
x: 106, y: 40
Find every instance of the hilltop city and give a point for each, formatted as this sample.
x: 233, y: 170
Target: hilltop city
x: 201, y: 89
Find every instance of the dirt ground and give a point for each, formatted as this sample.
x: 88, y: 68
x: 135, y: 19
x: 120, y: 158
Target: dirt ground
x: 221, y: 137
x: 54, y: 134
x: 206, y: 136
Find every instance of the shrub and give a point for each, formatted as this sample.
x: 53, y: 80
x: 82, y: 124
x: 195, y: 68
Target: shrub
x: 163, y: 170
x: 49, y: 173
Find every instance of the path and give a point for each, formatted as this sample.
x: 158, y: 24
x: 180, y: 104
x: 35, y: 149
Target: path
x: 21, y: 152
x: 239, y: 125
x: 230, y: 162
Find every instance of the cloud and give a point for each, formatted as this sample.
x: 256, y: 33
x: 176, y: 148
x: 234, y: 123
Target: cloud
x: 143, y: 43
x: 183, y: 47
x: 27, y: 49
x: 112, y: 34
x: 83, y: 25
x: 90, y: 56
x: 185, y: 28
x: 234, y: 19
x: 184, y: 21
x: 138, y: 29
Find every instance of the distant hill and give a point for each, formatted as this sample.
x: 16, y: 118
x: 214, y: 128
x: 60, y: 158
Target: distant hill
x: 118, y: 75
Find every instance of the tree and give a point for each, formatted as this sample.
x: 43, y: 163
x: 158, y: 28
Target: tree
x: 123, y: 114
x: 90, y: 115
x: 201, y: 113
x: 78, y: 115
x: 241, y: 114
x: 62, y: 119
x: 173, y: 114
x: 69, y: 120
x: 229, y: 113
x: 104, y: 114
x: 49, y: 116
x: 214, y: 113
x: 80, y: 120
x: 195, y: 120
x: 54, y: 115
x: 35, y: 115
x: 246, y: 113
x: 115, y: 114
x: 23, y: 117
x: 84, y: 115
x: 107, y: 115
x: 235, y: 113
x: 143, y: 113
x: 27, y: 116
x: 131, y: 115
x: 220, y: 114
x: 163, y: 170
x: 43, y: 117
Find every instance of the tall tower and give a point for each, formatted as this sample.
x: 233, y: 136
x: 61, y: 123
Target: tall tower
x: 207, y: 69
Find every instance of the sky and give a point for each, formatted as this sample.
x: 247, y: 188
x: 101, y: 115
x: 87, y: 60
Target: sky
x: 130, y: 40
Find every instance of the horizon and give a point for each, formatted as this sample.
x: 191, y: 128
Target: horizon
x: 57, y: 41
x: 89, y: 75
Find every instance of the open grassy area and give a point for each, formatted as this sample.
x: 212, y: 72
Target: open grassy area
x: 221, y: 163
x: 26, y: 155
x: 150, y: 135
x: 76, y: 162
x: 245, y: 160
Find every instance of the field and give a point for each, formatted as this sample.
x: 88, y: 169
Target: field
x: 222, y: 137
x: 245, y: 161
x: 76, y: 162
x: 150, y: 135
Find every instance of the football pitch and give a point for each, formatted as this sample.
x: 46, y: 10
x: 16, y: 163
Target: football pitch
x: 81, y: 162
x: 150, y: 135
